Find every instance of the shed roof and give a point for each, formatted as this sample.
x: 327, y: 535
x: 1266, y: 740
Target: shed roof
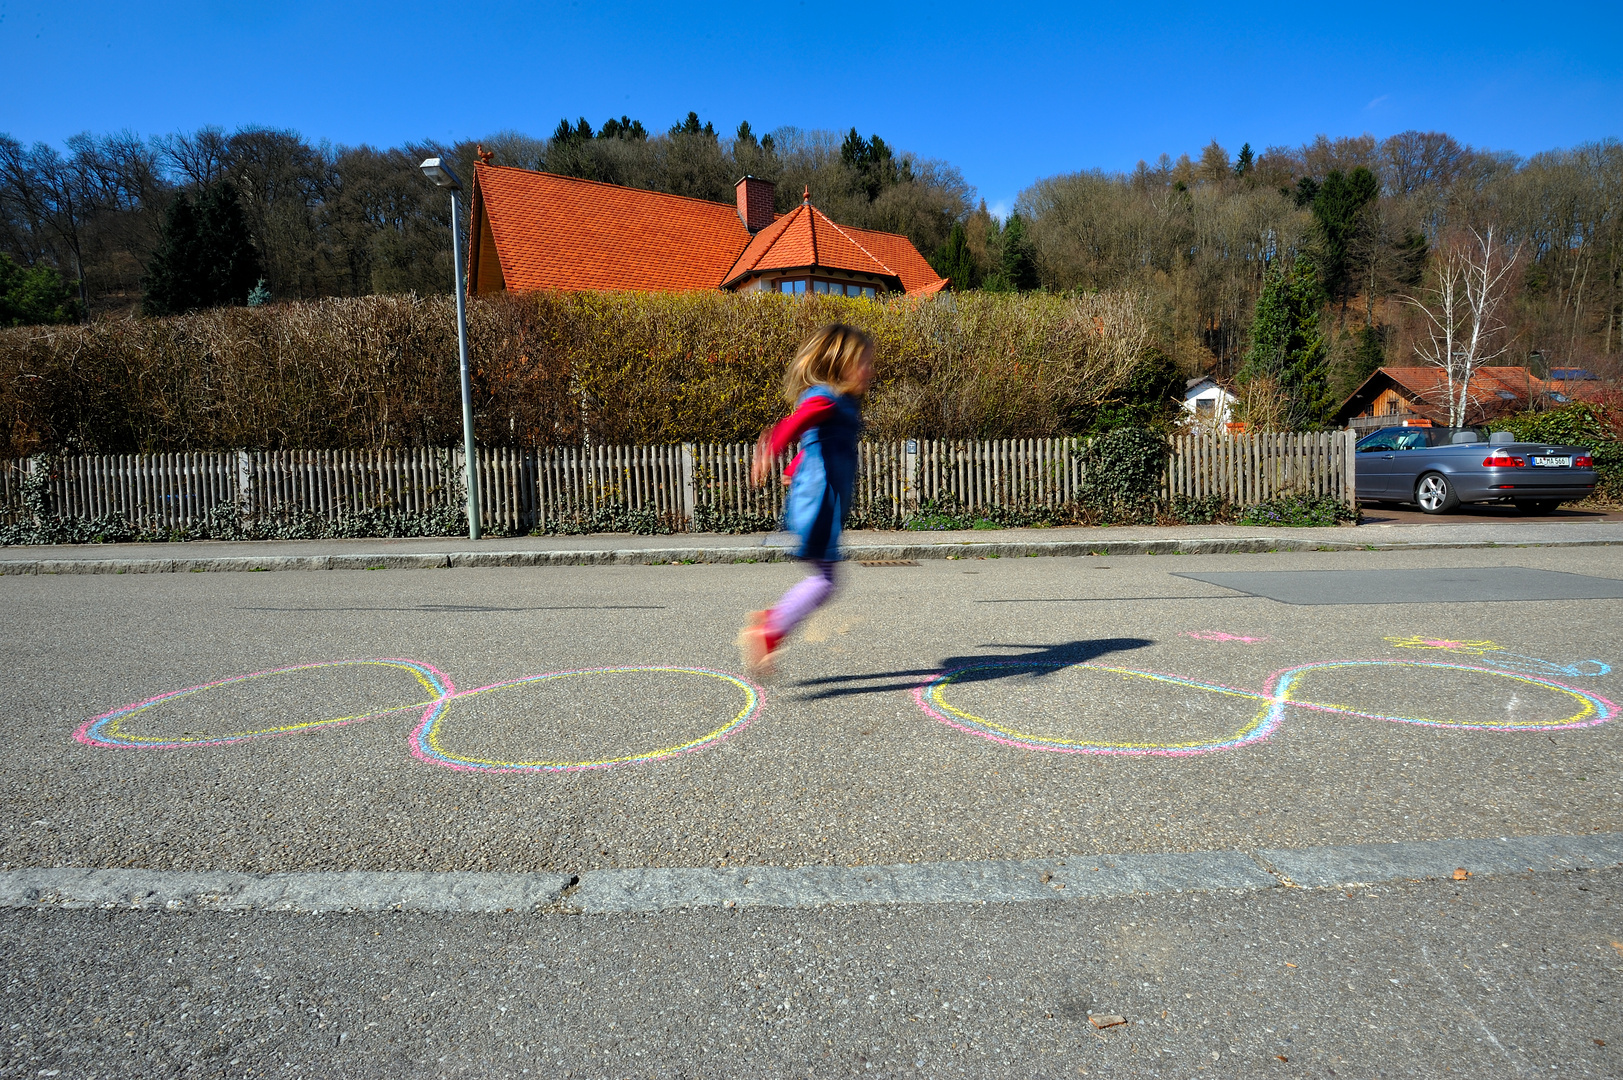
x: 1493, y: 392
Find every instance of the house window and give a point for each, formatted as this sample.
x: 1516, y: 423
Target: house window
x: 1206, y: 407
x: 797, y: 286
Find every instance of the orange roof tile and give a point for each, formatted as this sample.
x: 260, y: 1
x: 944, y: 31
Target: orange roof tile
x: 1494, y: 391
x: 556, y: 232
x: 898, y: 253
x: 1485, y: 380
x: 929, y: 290
x: 806, y: 237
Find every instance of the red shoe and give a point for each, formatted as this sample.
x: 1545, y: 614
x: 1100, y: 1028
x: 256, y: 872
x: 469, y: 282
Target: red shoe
x: 756, y: 644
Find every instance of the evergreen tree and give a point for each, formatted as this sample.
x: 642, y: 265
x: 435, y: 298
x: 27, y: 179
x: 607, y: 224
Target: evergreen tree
x: 1286, y: 345
x: 205, y: 258
x: 1411, y: 255
x: 1369, y: 354
x: 873, y: 164
x: 691, y: 126
x: 31, y: 296
x: 232, y: 261
x: 1019, y: 267
x: 566, y: 134
x: 172, y: 275
x: 1245, y: 162
x: 1338, y: 212
x: 623, y: 128
x: 954, y: 261
x: 854, y: 151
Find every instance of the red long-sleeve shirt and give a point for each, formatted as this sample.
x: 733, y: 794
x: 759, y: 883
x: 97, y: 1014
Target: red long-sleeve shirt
x: 812, y: 412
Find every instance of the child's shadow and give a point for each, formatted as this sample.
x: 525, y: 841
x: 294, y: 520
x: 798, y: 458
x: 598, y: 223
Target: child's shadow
x: 1037, y: 660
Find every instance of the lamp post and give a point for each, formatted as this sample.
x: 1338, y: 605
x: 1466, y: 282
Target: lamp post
x: 440, y: 173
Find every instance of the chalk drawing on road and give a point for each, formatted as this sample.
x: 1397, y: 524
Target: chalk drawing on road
x: 1463, y: 648
x: 427, y: 745
x: 116, y: 728
x: 1221, y: 637
x: 112, y: 729
x: 1278, y: 695
x: 1500, y: 657
x: 931, y: 697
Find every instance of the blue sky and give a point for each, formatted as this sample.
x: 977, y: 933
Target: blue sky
x: 1007, y: 92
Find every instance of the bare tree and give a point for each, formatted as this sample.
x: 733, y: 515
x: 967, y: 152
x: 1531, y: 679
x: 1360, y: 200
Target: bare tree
x: 1463, y: 328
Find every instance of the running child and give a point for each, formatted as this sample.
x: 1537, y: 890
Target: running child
x: 825, y: 383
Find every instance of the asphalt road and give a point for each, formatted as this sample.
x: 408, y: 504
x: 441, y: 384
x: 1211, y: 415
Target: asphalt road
x: 1510, y: 977
x: 1469, y: 717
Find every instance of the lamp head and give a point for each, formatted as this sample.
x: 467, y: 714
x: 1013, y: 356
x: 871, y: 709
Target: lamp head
x: 437, y: 170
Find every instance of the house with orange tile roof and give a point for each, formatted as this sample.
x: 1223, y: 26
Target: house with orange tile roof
x: 534, y: 230
x: 1393, y: 395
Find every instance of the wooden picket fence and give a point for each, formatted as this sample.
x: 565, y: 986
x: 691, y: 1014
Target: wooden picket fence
x: 524, y: 489
x: 1247, y: 469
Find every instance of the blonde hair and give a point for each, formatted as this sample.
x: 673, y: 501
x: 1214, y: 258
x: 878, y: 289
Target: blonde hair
x: 830, y: 357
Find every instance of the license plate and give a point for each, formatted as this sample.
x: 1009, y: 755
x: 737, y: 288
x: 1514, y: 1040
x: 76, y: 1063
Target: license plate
x: 1553, y: 462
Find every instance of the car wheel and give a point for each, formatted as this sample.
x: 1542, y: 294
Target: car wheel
x: 1435, y: 494
x: 1538, y: 506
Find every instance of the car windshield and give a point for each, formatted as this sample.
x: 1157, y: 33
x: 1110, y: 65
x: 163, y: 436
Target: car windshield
x: 1412, y: 438
x: 1394, y: 439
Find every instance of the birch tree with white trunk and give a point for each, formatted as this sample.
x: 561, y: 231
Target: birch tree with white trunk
x: 1471, y: 278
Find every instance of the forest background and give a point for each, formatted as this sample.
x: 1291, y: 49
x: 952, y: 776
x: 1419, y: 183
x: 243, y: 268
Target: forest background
x: 86, y: 235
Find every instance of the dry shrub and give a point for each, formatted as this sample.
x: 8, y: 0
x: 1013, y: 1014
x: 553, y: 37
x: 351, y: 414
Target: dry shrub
x: 322, y: 375
x: 553, y: 368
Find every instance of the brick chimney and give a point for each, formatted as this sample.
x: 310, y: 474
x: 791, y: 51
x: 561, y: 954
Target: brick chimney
x: 755, y: 203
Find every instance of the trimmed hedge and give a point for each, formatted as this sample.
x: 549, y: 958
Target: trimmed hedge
x: 1595, y: 425
x: 553, y: 369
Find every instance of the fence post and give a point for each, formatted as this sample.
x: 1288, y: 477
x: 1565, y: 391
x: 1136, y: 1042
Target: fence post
x: 690, y: 497
x: 245, y: 487
x: 910, y: 478
x: 30, y: 467
x: 1349, y: 451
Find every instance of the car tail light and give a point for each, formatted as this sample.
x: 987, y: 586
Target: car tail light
x: 1583, y: 461
x: 1503, y: 461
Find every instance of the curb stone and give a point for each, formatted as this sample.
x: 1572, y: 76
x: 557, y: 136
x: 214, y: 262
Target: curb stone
x: 353, y: 890
x: 737, y: 554
x: 654, y: 889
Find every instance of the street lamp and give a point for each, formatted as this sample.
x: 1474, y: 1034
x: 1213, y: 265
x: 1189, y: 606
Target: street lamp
x: 438, y: 171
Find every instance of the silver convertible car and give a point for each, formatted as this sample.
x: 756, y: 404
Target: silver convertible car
x: 1439, y: 468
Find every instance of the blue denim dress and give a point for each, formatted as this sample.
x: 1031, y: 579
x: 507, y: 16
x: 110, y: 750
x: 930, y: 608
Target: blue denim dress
x: 820, y: 493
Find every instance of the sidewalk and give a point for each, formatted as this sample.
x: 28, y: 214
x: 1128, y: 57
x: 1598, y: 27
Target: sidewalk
x: 618, y: 548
